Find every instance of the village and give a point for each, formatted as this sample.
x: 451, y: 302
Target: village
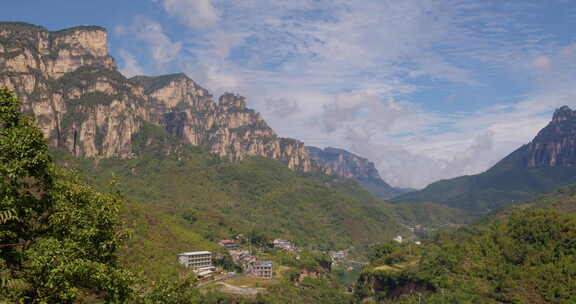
x: 249, y: 261
x: 203, y: 266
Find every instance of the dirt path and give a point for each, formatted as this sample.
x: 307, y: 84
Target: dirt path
x: 227, y: 288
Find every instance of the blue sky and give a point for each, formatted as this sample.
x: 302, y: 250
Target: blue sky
x: 427, y: 89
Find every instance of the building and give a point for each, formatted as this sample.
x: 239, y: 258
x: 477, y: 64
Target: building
x: 283, y: 244
x: 338, y: 255
x: 262, y: 269
x: 398, y: 239
x: 199, y: 261
x: 230, y: 244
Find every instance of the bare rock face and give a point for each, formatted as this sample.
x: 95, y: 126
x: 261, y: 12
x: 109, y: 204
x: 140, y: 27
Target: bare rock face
x: 555, y: 145
x: 82, y: 103
x: 342, y: 163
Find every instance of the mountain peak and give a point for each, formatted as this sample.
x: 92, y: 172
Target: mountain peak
x: 232, y: 101
x: 563, y: 113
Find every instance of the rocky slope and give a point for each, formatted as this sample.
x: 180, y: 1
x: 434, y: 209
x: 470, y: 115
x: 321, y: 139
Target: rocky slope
x: 345, y: 164
x: 68, y: 80
x: 543, y: 165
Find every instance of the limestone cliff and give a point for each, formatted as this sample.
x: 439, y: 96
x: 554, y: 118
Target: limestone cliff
x: 70, y: 83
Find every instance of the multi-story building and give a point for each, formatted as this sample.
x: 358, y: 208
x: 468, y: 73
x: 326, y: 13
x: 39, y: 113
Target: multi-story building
x: 262, y: 269
x: 199, y: 261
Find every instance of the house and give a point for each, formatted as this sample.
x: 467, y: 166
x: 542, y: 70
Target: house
x: 284, y: 244
x: 398, y: 239
x: 230, y: 244
x: 199, y: 261
x: 338, y: 255
x: 243, y: 257
x: 262, y: 269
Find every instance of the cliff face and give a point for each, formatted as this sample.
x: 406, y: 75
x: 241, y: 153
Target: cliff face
x: 70, y: 83
x: 342, y: 163
x: 555, y: 145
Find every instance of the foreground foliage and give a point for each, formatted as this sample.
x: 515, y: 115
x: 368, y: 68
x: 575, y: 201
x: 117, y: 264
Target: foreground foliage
x: 58, y: 237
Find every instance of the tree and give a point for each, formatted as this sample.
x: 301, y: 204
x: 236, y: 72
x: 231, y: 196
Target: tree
x: 58, y: 236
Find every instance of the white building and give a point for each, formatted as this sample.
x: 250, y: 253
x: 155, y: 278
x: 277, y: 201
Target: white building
x: 199, y: 261
x: 398, y: 239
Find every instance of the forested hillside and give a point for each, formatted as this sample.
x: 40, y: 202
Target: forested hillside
x: 525, y: 254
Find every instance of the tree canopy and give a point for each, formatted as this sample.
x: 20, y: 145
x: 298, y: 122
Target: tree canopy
x: 57, y: 235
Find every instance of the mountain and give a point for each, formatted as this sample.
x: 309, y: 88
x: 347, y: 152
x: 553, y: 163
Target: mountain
x: 543, y: 165
x: 68, y: 80
x: 342, y: 163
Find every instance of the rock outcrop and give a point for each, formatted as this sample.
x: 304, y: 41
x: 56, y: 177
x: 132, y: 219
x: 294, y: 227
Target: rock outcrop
x: 68, y: 80
x: 555, y: 145
x: 342, y: 163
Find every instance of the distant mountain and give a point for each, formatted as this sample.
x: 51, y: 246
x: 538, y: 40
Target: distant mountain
x: 543, y: 165
x: 345, y: 164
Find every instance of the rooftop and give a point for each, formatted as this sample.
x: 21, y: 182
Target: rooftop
x: 263, y: 263
x: 196, y: 253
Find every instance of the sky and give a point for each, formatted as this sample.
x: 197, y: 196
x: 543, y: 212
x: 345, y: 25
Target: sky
x: 426, y: 89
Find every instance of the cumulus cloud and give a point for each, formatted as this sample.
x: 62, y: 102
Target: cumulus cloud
x: 130, y: 66
x: 162, y: 49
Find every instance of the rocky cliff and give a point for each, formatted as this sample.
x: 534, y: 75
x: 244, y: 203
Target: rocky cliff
x: 342, y: 163
x: 68, y: 80
x: 555, y: 145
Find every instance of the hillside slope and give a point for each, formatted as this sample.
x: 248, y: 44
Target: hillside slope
x: 256, y: 196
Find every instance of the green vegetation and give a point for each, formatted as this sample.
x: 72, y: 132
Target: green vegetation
x: 523, y: 255
x: 151, y: 83
x: 432, y: 215
x: 58, y: 236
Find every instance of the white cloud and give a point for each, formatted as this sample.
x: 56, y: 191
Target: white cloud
x: 130, y: 65
x: 197, y: 14
x: 162, y: 49
x: 339, y: 73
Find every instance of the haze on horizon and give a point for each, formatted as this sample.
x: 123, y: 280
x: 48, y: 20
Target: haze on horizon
x: 426, y: 89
